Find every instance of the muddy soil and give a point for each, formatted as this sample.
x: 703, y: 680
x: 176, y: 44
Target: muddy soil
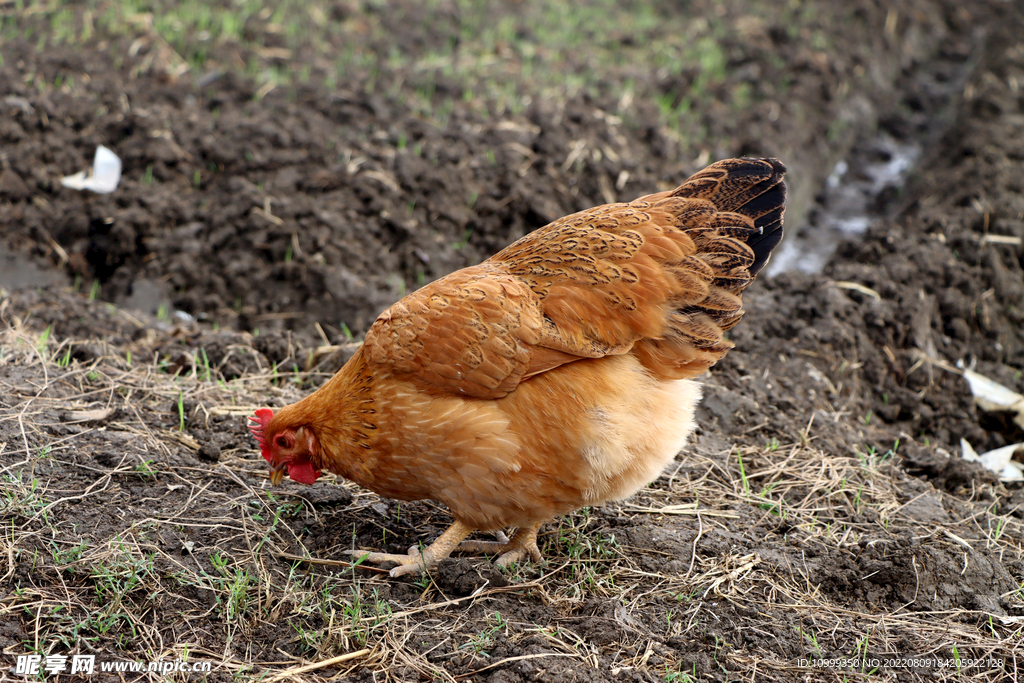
x: 256, y: 233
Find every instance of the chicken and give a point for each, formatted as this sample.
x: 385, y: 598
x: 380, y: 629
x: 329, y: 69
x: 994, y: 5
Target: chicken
x: 554, y: 375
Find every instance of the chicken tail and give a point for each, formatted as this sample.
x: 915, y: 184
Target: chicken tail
x: 734, y: 225
x: 750, y: 187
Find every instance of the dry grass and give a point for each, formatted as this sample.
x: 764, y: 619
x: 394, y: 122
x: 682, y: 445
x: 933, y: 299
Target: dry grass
x: 117, y: 541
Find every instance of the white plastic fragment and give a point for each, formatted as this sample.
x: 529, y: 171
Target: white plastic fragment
x: 106, y: 174
x: 992, y: 396
x: 997, y: 460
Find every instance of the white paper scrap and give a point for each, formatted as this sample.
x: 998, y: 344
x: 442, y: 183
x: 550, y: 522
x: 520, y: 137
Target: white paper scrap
x: 106, y: 174
x: 997, y: 460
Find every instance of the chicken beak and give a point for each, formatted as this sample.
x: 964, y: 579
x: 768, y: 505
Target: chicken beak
x: 277, y: 474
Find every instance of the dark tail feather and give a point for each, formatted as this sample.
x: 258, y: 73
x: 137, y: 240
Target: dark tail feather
x: 751, y: 187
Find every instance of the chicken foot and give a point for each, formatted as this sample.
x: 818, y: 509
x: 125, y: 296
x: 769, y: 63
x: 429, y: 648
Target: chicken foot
x: 523, y: 545
x: 416, y: 561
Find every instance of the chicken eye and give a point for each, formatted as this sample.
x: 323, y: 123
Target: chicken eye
x: 283, y: 442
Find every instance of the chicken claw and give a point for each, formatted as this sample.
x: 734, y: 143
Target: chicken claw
x: 522, y: 546
x: 413, y: 563
x: 416, y: 561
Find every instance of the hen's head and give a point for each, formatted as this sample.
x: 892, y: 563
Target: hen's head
x: 283, y: 446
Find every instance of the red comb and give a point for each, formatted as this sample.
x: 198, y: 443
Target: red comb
x: 258, y: 427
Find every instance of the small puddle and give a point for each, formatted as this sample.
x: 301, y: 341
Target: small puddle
x: 148, y: 296
x: 854, y: 196
x: 19, y: 270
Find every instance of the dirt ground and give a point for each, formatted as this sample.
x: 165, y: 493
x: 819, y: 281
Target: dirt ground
x: 822, y: 525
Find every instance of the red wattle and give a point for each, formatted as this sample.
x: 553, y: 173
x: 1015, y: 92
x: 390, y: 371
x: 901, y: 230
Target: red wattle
x: 303, y: 472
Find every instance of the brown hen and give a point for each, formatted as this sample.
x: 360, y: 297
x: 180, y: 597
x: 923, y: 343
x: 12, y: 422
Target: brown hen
x: 555, y: 374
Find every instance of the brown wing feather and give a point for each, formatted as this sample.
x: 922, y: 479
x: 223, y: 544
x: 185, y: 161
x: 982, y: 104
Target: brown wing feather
x: 660, y: 276
x: 469, y: 333
x: 599, y: 275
